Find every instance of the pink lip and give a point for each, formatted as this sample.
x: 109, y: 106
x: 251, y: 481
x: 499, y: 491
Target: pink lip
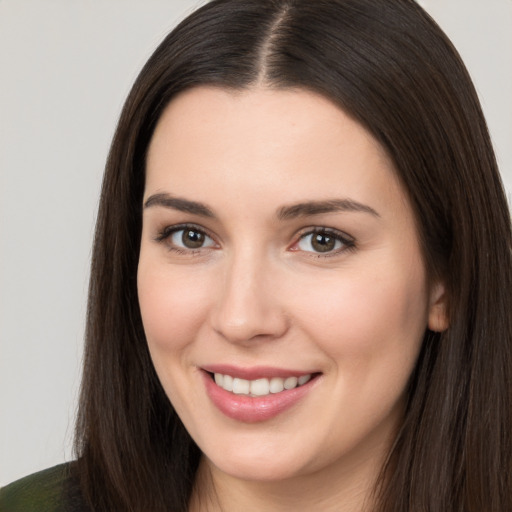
x: 254, y: 409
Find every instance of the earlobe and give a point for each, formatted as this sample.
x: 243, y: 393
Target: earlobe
x: 438, y: 310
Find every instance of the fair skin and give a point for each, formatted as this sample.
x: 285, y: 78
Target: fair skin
x: 235, y: 278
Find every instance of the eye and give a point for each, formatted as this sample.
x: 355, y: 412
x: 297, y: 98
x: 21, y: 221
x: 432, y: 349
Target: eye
x: 186, y: 238
x: 191, y: 238
x: 324, y: 241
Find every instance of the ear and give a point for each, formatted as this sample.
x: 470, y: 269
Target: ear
x: 438, y: 308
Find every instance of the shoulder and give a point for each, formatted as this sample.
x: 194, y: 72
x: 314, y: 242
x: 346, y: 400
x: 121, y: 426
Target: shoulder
x: 50, y: 490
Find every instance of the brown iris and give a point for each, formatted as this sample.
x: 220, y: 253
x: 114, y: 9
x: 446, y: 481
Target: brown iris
x: 192, y: 239
x: 322, y: 242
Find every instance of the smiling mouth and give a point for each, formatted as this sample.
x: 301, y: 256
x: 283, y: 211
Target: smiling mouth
x: 256, y: 394
x: 259, y: 387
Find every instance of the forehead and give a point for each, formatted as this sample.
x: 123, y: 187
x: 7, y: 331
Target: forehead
x: 283, y: 144
x: 254, y: 114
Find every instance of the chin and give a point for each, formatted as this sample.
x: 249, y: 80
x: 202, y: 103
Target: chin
x: 259, y: 465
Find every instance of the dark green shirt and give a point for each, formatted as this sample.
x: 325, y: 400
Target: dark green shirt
x: 51, y: 490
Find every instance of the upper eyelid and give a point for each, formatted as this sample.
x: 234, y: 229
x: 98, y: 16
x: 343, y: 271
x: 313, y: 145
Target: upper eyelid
x: 323, y: 229
x: 172, y: 228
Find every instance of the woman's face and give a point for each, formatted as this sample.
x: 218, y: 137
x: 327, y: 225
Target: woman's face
x: 280, y: 258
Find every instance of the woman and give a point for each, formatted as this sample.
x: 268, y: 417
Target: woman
x: 301, y: 281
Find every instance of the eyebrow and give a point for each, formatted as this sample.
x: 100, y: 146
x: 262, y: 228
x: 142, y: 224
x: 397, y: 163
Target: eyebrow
x: 304, y: 209
x: 321, y: 207
x: 177, y: 203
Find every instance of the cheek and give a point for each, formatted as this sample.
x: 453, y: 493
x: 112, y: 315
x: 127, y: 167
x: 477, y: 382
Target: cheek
x: 373, y: 316
x: 173, y: 311
x: 171, y: 308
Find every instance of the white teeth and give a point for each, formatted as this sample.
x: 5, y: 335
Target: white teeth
x: 304, y: 379
x: 259, y: 387
x: 291, y: 382
x: 276, y: 385
x: 227, y: 383
x: 241, y: 386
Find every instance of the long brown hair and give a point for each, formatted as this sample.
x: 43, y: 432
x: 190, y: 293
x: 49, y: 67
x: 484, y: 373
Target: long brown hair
x: 386, y: 63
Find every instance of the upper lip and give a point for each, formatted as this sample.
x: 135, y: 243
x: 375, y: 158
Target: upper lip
x: 254, y: 372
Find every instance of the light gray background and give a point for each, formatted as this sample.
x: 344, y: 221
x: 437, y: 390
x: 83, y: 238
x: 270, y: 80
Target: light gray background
x: 65, y: 69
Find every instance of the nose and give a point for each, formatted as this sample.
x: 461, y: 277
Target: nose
x: 249, y: 305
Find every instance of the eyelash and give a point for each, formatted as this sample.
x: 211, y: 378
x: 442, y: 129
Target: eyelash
x: 167, y: 232
x: 347, y: 242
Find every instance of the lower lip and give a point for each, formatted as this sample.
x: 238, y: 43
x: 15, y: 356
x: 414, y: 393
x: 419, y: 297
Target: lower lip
x: 250, y: 409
